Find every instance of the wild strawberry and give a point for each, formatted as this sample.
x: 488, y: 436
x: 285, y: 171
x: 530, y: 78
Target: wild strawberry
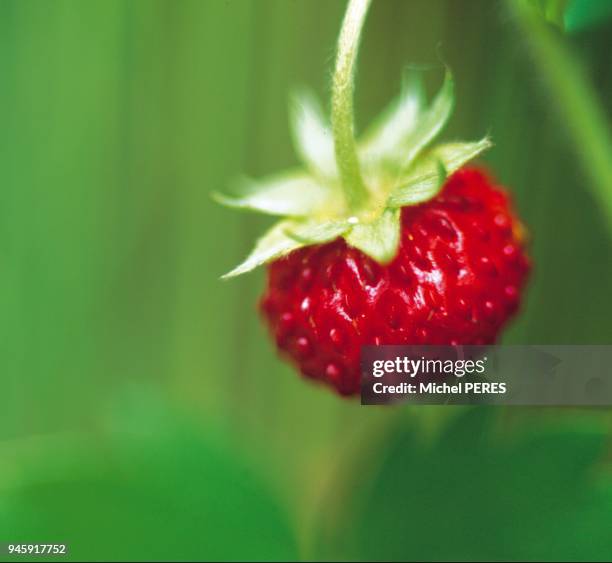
x: 456, y: 279
x: 378, y: 244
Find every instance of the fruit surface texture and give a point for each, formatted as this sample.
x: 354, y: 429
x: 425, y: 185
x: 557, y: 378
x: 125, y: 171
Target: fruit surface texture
x: 456, y: 279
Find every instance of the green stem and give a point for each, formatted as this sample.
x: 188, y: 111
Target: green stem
x: 342, y: 104
x: 577, y: 102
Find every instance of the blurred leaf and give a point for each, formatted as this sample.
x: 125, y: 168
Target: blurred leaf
x: 156, y: 489
x: 573, y: 15
x: 551, y: 10
x: 378, y: 239
x: 475, y: 496
x: 583, y: 14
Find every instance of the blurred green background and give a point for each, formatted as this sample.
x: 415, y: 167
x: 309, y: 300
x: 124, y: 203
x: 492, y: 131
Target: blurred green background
x: 144, y: 413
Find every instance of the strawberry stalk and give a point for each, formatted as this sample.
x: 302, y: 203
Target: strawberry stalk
x: 342, y: 114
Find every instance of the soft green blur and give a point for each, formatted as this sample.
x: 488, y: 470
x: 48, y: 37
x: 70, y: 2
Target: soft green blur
x: 144, y: 413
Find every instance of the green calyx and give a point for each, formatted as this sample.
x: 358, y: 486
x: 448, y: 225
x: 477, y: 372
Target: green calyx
x: 348, y: 188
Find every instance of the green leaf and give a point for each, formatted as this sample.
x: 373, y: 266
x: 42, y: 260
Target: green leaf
x: 430, y: 122
x: 318, y: 231
x: 583, y: 14
x: 163, y: 475
x: 537, y: 494
x: 572, y: 16
x: 312, y: 135
x: 387, y: 135
x: 379, y: 239
x: 289, y: 193
x: 551, y: 10
x: 426, y: 177
x: 274, y: 244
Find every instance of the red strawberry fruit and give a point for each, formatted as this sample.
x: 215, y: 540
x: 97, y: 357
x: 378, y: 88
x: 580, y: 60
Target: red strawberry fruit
x: 383, y: 241
x: 456, y: 279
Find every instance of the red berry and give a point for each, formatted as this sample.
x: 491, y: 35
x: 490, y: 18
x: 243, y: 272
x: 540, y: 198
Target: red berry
x: 456, y: 279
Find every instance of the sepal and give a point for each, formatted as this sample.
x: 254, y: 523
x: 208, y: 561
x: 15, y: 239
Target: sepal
x: 274, y: 244
x: 312, y: 135
x: 430, y: 122
x: 318, y: 231
x: 378, y: 239
x: 425, y: 178
x: 288, y: 194
x: 388, y: 133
